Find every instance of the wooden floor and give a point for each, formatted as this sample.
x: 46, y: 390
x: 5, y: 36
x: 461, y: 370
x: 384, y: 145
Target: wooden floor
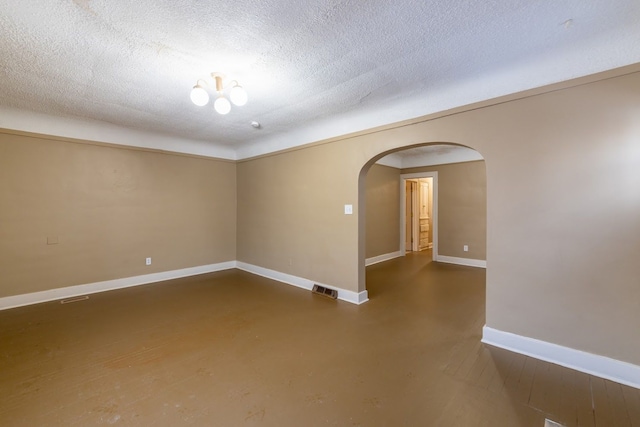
x: 233, y: 349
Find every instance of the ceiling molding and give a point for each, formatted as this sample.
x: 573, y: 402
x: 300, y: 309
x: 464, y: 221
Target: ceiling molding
x: 93, y: 130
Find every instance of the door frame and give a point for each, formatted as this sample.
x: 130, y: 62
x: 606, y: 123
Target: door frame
x: 403, y: 178
x: 412, y: 186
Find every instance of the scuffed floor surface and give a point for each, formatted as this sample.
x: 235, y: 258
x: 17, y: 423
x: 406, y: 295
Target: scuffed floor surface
x: 232, y: 349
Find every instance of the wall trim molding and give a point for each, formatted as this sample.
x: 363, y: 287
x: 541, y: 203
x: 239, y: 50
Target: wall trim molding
x: 592, y: 364
x: 383, y: 257
x: 106, y: 133
x: 300, y: 282
x: 15, y: 301
x: 469, y: 262
x: 108, y: 285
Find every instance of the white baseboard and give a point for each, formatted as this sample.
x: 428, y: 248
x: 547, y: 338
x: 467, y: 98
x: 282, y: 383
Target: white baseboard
x: 593, y: 364
x: 343, y: 294
x: 383, y: 257
x: 462, y: 261
x: 108, y: 285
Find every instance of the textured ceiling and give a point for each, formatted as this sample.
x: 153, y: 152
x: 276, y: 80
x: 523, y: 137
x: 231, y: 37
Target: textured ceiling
x: 312, y: 69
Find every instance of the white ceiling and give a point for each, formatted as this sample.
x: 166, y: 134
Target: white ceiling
x: 312, y: 69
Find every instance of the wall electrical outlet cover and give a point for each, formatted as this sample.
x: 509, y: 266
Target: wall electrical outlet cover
x: 148, y: 261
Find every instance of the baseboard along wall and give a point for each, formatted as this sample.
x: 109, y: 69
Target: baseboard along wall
x: 108, y: 285
x: 300, y: 282
x: 462, y: 261
x: 383, y: 257
x: 593, y: 364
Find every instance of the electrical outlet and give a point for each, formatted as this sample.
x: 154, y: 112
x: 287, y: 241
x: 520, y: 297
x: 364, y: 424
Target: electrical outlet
x: 148, y: 261
x: 465, y: 248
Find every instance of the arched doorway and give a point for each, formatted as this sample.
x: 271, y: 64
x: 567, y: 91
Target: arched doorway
x: 430, y: 198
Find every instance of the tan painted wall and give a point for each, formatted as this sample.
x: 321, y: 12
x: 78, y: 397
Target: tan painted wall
x: 291, y: 214
x: 563, y: 208
x: 383, y: 211
x: 109, y: 208
x: 462, y: 208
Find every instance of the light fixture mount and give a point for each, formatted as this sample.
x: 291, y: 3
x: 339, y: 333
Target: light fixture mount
x: 237, y: 94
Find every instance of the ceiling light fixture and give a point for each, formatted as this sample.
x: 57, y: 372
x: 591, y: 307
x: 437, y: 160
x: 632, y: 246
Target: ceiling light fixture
x: 199, y: 95
x: 237, y: 94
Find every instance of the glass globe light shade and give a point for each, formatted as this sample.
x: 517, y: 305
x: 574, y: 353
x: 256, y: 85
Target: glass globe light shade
x: 199, y: 96
x: 238, y: 95
x: 222, y: 105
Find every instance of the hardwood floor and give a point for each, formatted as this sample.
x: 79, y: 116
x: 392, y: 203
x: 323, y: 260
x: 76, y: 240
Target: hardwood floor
x: 230, y: 348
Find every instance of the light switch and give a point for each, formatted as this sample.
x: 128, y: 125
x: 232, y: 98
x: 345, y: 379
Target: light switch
x: 348, y: 209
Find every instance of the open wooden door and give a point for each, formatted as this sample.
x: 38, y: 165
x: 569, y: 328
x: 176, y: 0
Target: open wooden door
x: 425, y: 214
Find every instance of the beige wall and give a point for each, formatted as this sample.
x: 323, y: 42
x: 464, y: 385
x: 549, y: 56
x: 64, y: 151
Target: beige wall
x: 563, y: 208
x: 291, y: 214
x: 383, y: 211
x: 462, y: 208
x: 109, y: 208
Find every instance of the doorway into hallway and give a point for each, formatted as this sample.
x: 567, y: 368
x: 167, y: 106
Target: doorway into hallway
x: 419, y: 212
x: 418, y: 219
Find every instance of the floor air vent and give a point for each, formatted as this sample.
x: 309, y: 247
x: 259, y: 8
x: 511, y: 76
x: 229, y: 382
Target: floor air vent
x: 321, y: 290
x: 74, y: 299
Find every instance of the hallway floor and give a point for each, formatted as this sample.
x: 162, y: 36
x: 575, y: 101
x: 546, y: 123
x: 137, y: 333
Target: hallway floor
x: 232, y: 349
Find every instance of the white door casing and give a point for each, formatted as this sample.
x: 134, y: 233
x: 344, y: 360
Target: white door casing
x: 434, y: 208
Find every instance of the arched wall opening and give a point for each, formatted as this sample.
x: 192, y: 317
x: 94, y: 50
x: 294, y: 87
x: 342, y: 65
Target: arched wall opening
x: 540, y: 149
x: 393, y: 219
